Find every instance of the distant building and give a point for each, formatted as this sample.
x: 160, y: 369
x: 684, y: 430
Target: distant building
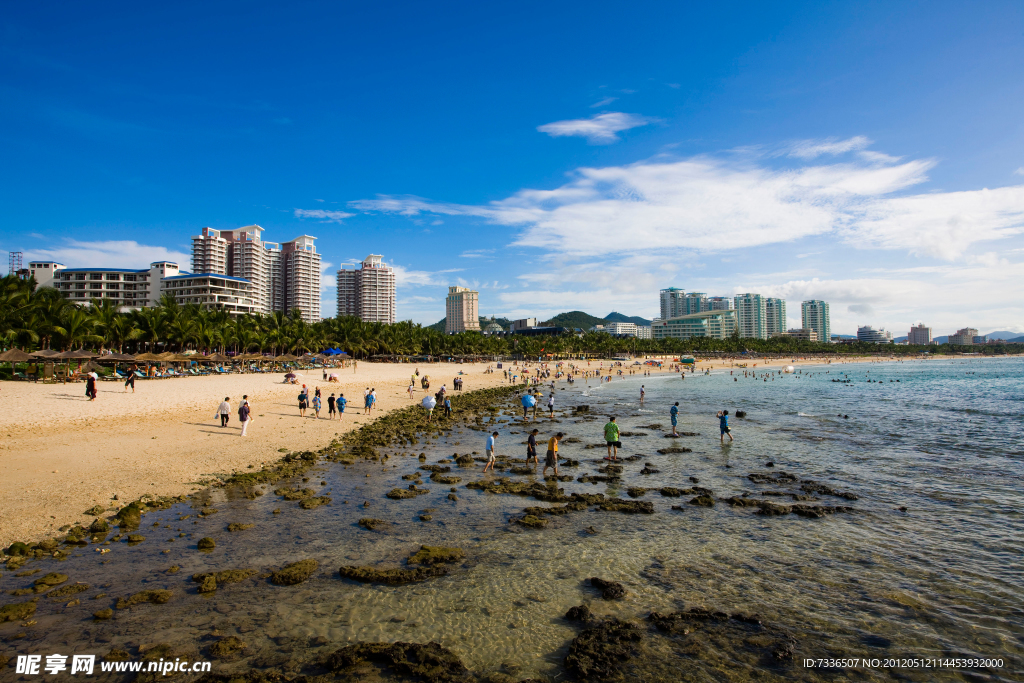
x: 522, y: 324
x: 461, y: 310
x: 751, y: 316
x: 919, y: 334
x: 719, y: 303
x: 802, y: 334
x: 672, y: 302
x: 979, y: 339
x: 644, y: 332
x: 622, y: 329
x: 300, y: 271
x: 368, y: 292
x: 695, y: 302
x: 233, y: 295
x: 775, y: 316
x: 544, y: 331
x: 964, y: 337
x: 711, y: 324
x: 492, y: 327
x: 45, y: 272
x: 870, y: 334
x: 259, y: 262
x: 814, y: 315
x: 127, y: 288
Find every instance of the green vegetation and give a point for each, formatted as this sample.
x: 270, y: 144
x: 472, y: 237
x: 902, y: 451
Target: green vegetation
x: 33, y: 319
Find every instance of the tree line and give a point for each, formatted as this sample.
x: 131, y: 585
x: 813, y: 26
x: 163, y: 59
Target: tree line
x: 34, y: 318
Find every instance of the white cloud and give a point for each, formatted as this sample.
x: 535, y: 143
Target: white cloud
x: 323, y: 215
x: 604, y: 102
x: 809, y: 149
x: 599, y: 130
x: 108, y: 254
x: 476, y: 253
x: 419, y: 278
x: 1019, y: 171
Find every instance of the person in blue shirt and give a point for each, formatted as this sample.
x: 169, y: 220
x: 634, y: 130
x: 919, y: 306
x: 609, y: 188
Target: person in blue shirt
x: 316, y: 406
x: 674, y: 412
x: 341, y: 405
x: 490, y: 452
x: 723, y: 425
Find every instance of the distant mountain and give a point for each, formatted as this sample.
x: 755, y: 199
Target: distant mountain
x: 573, y: 319
x: 1018, y: 340
x: 614, y: 317
x: 1003, y: 334
x: 944, y: 339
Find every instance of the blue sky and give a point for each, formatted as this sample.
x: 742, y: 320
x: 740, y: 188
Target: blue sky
x: 557, y: 156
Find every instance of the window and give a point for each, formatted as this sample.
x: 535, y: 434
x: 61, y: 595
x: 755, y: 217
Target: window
x: 81, y: 286
x: 129, y: 278
x: 80, y: 276
x: 95, y: 276
x: 113, y: 276
x: 95, y: 285
x: 113, y: 285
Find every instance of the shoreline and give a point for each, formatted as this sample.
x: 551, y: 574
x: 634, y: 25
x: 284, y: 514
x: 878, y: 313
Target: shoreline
x: 63, y: 455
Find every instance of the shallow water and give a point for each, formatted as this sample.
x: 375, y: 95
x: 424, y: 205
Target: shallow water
x: 941, y: 579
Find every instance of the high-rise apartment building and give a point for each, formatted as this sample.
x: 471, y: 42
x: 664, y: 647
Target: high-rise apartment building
x: 814, y: 316
x: 964, y: 336
x: 461, y: 310
x: 281, y: 279
x: 368, y: 292
x: 720, y: 303
x: 695, y: 302
x: 672, y: 302
x: 751, y: 316
x: 300, y: 271
x: 775, y: 316
x: 919, y: 334
x: 712, y: 324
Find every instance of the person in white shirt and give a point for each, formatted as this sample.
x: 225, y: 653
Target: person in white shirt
x: 224, y: 411
x: 245, y: 414
x: 490, y: 452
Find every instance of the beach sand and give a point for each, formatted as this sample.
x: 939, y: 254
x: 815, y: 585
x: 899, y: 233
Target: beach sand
x: 61, y: 454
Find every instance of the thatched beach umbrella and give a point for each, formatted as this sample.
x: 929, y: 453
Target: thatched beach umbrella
x: 219, y: 358
x: 13, y: 356
x: 286, y: 358
x: 147, y: 357
x: 43, y: 353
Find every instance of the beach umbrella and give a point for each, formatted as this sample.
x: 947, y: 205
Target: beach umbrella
x: 43, y: 353
x: 15, y: 356
x: 290, y: 375
x: 167, y: 355
x: 147, y: 357
x: 286, y: 358
x: 218, y: 358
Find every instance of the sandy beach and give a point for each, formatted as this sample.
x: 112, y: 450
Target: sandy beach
x: 62, y: 454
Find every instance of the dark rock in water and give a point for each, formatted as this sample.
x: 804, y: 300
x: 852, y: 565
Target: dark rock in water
x: 610, y: 590
x: 636, y: 491
x: 581, y: 409
x: 234, y: 526
x: 208, y: 582
x: 703, y: 501
x: 558, y: 477
x: 393, y: 577
x: 49, y: 581
x: 632, y: 433
x: 737, y: 501
x: 452, y: 496
x: 530, y: 521
x: 649, y: 470
x: 655, y: 425
x: 769, y: 464
x: 633, y: 458
x: 522, y: 470
x: 876, y: 641
x: 68, y: 590
x: 410, y: 477
x: 610, y: 469
x: 129, y: 517
x: 206, y: 543
x: 600, y: 652
x: 431, y: 555
x: 464, y: 460
x: 435, y: 468
x: 627, y: 506
x: 576, y: 506
x: 227, y: 648
x: 590, y: 530
x: 579, y: 613
x: 814, y: 487
x: 95, y: 511
x: 294, y: 573
x: 17, y: 611
x: 695, y: 480
x: 783, y: 651
x: 429, y: 663
x: 777, y: 478
x: 397, y: 494
x: 903, y: 508
x: 426, y: 518
x: 770, y: 509
x: 818, y: 511
x: 157, y: 597
x: 674, y: 449
x: 99, y: 526
x: 444, y: 479
x: 18, y: 549
x: 741, y: 413
x: 103, y: 614
x: 371, y: 523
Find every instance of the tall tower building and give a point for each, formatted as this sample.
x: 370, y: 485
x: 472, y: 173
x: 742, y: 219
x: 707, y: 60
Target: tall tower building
x: 720, y: 303
x: 814, y: 316
x: 368, y: 292
x: 695, y: 302
x: 209, y: 252
x: 775, y: 316
x: 461, y: 310
x: 751, y: 316
x: 248, y: 258
x: 919, y: 334
x: 300, y: 272
x: 672, y: 303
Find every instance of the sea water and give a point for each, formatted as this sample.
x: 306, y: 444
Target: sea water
x: 926, y: 565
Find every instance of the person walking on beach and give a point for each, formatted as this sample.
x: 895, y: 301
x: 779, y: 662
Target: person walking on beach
x: 447, y: 407
x: 642, y: 394
x: 90, y: 386
x: 723, y: 426
x: 316, y: 406
x: 611, y: 437
x: 371, y: 399
x: 412, y: 388
x: 129, y: 381
x: 528, y: 402
x: 551, y: 460
x: 341, y: 406
x: 551, y: 406
x: 303, y: 401
x: 490, y: 452
x: 330, y: 406
x: 244, y: 414
x: 531, y: 448
x: 674, y: 413
x: 224, y: 410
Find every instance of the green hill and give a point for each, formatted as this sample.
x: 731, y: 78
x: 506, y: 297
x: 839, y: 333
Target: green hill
x: 573, y: 319
x: 614, y: 317
x: 504, y: 322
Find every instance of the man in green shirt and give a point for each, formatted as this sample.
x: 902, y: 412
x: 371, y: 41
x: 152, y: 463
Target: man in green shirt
x: 611, y: 436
